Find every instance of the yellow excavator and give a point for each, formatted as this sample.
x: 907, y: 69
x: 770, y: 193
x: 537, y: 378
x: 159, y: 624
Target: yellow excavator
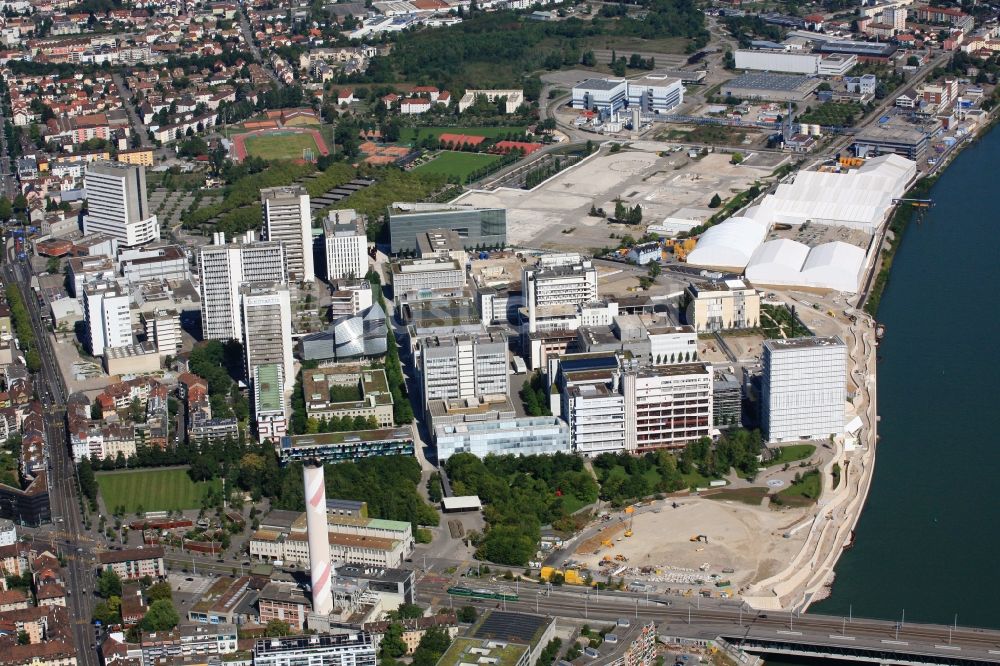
x: 630, y: 512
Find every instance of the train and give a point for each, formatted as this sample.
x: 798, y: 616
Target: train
x: 481, y: 593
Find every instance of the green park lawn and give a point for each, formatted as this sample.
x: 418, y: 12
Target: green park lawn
x: 792, y: 453
x: 281, y: 147
x: 152, y: 490
x: 457, y: 164
x: 803, y: 493
x: 408, y: 134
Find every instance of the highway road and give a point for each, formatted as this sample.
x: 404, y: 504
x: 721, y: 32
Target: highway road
x: 63, y: 486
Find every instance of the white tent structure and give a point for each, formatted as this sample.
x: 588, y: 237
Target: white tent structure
x: 777, y: 262
x: 857, y: 199
x: 729, y: 244
x: 832, y: 266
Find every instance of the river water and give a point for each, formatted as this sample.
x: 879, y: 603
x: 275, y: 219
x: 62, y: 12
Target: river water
x: 927, y: 541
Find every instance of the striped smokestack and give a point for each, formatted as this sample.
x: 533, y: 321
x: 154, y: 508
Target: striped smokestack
x: 320, y: 566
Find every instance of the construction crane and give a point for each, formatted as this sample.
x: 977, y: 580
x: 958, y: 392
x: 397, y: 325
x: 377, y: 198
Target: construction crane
x: 630, y: 512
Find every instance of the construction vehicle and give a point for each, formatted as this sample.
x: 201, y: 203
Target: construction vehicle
x: 698, y: 537
x: 621, y: 558
x: 607, y: 543
x: 630, y: 512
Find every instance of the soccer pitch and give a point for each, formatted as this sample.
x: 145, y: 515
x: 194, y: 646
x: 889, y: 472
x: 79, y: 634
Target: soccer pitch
x: 152, y: 489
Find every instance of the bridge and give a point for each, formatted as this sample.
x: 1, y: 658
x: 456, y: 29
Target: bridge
x: 681, y: 619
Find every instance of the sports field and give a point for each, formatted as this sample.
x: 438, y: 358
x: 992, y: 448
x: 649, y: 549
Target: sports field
x: 460, y: 165
x: 152, y: 489
x: 281, y: 146
x: 407, y: 134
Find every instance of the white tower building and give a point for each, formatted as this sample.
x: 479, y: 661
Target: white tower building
x: 287, y: 218
x: 803, y: 388
x: 320, y: 567
x: 117, y: 205
x: 108, y: 316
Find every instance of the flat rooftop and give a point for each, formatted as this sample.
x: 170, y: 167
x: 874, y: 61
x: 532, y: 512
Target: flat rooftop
x: 600, y: 84
x: 472, y: 651
x: 767, y: 81
x: 523, y: 628
x: 349, y: 437
x: 803, y: 343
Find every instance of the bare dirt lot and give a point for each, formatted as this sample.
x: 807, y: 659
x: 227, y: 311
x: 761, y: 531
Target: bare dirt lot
x: 555, y: 214
x: 743, y: 538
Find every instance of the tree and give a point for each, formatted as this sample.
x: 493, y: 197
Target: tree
x: 654, y: 269
x: 6, y: 208
x: 715, y: 202
x: 161, y: 616
x: 159, y: 591
x: 467, y: 614
x: 277, y: 628
x: 407, y: 612
x: 109, y: 584
x: 392, y: 645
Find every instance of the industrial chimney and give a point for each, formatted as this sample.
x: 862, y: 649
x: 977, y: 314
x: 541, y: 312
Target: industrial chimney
x: 320, y: 566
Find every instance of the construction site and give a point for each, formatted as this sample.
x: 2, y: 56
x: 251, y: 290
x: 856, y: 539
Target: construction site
x: 697, y: 545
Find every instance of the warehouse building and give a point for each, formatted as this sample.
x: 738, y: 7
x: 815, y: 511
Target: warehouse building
x: 770, y: 87
x: 909, y: 142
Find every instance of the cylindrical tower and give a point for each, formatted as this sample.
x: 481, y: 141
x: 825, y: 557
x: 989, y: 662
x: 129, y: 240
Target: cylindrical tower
x: 320, y: 567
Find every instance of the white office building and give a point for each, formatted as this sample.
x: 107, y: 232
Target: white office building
x: 287, y: 219
x: 595, y: 413
x: 163, y: 329
x: 803, y: 388
x: 524, y: 436
x: 352, y: 648
x: 224, y: 269
x: 655, y: 94
x: 116, y: 203
x: 160, y: 263
x: 558, y: 280
x: 464, y: 366
x: 346, y: 246
x: 108, y: 316
x: 667, y: 407
x: 603, y: 95
x: 267, y: 329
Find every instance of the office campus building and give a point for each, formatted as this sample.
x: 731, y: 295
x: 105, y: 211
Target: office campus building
x: 722, y: 305
x: 287, y: 218
x: 435, y: 274
x: 667, y: 406
x: 345, y: 246
x: 117, y: 205
x: 342, y: 649
x: 108, y: 316
x: 476, y: 227
x: 464, y: 366
x: 558, y: 281
x: 267, y: 329
x: 803, y: 388
x: 224, y: 269
x: 655, y: 93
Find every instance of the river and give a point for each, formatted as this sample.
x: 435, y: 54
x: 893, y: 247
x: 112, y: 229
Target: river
x: 927, y: 540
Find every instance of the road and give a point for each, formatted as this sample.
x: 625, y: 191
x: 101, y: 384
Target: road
x: 133, y: 115
x: 257, y: 57
x: 690, y: 617
x: 63, y: 494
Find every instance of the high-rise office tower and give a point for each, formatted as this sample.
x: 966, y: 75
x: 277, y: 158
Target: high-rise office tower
x: 803, y: 388
x: 224, y: 269
x: 557, y: 280
x: 267, y: 329
x: 464, y: 366
x: 287, y: 218
x: 116, y: 203
x: 108, y: 315
x: 346, y: 246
